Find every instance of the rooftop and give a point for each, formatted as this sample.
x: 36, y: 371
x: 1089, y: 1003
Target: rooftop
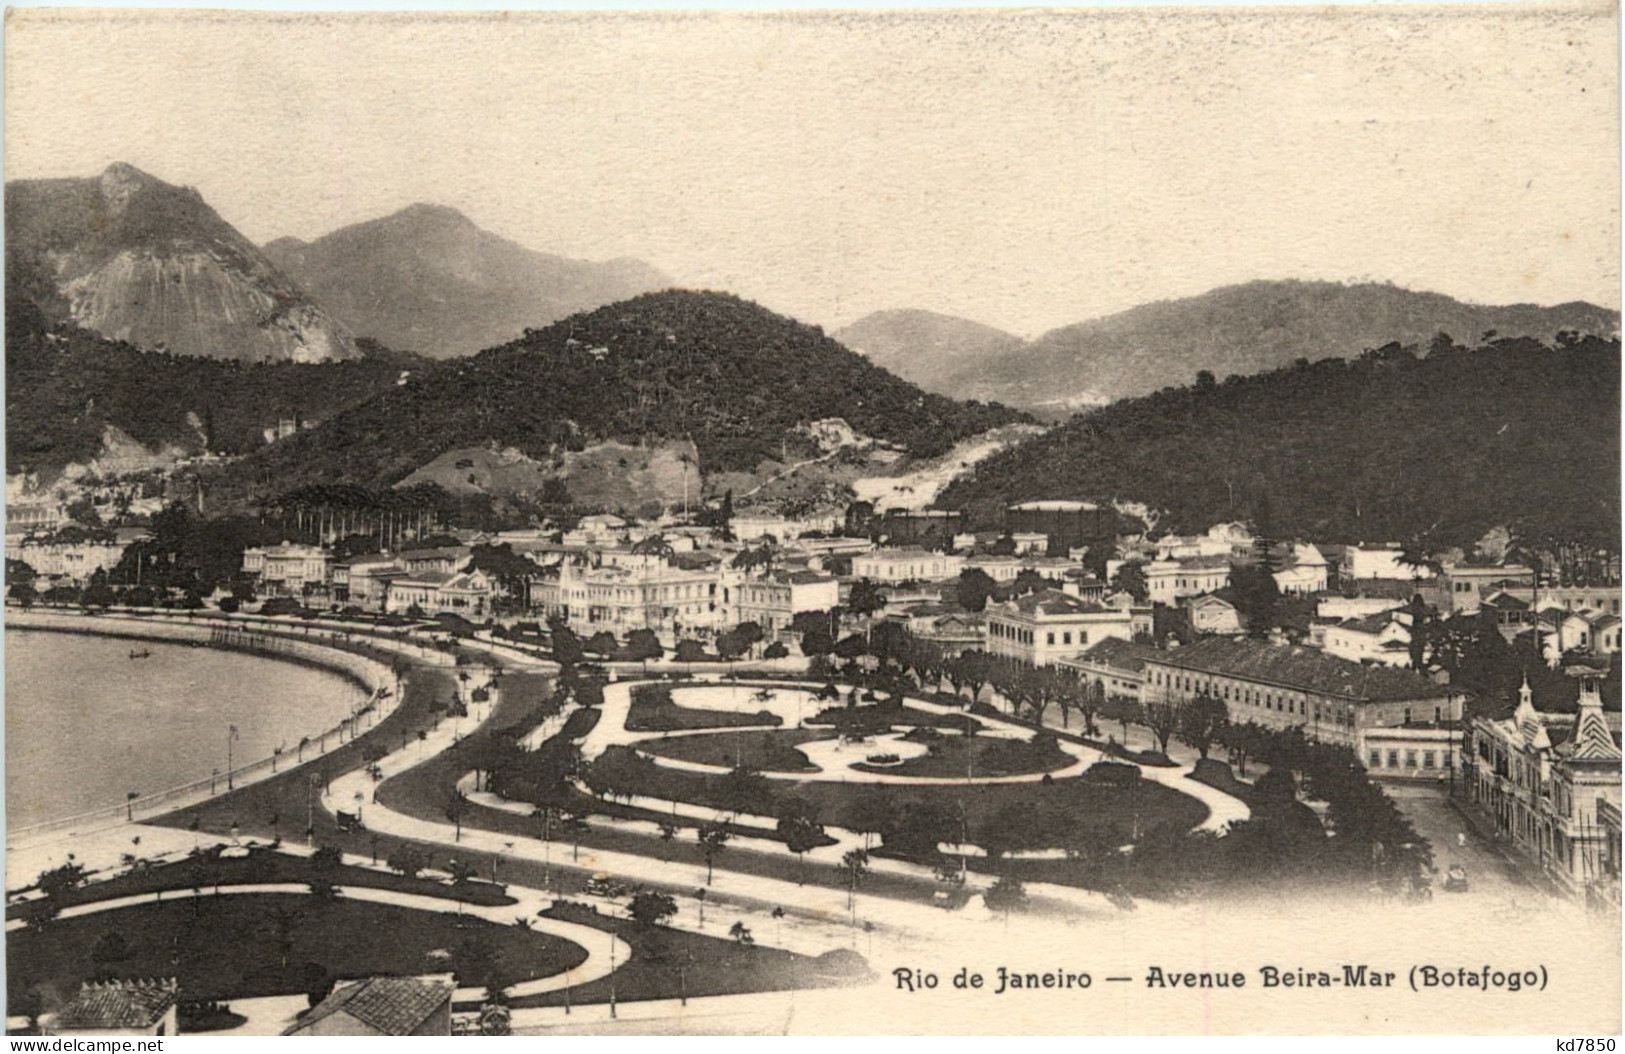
x: 1053, y: 506
x: 118, y: 1004
x: 1299, y: 667
x: 395, y: 1006
x: 1123, y: 654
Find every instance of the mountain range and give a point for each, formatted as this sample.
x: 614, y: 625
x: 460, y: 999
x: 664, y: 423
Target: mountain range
x: 1240, y: 329
x: 135, y: 259
x: 427, y: 279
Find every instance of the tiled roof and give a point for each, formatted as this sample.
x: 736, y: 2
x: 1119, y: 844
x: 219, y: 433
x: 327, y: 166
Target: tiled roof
x: 1298, y: 667
x: 395, y: 1006
x: 425, y: 578
x: 1123, y: 654
x: 1055, y: 602
x: 118, y: 1004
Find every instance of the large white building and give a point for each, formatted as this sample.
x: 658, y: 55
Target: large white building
x: 773, y: 600
x: 289, y: 570
x: 1379, y: 561
x: 1041, y: 628
x: 906, y: 565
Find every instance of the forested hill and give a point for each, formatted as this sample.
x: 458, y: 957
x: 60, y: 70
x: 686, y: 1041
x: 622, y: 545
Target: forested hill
x: 738, y: 380
x: 1400, y: 441
x: 69, y: 393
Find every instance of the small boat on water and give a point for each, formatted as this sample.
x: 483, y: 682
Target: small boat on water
x: 140, y: 653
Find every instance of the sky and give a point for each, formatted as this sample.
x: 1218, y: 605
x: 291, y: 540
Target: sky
x: 1026, y: 170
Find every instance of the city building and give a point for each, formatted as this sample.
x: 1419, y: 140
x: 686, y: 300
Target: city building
x: 465, y: 593
x: 1230, y: 540
x: 1041, y: 628
x: 1213, y: 614
x: 906, y: 565
x: 1463, y: 587
x: 1117, y: 665
x: 381, y: 1006
x: 1545, y: 781
x: 1338, y: 608
x: 444, y: 559
x: 1067, y: 525
x: 1333, y: 700
x: 1379, y: 561
x: 364, y: 580
x: 1304, y: 572
x: 117, y: 1008
x: 1384, y: 638
x: 72, y: 555
x: 620, y: 592
x: 289, y: 570
x: 773, y: 600
x: 1168, y: 581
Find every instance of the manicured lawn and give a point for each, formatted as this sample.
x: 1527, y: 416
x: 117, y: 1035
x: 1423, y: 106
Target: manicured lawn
x: 953, y: 757
x: 240, y: 946
x: 650, y: 712
x: 760, y: 750
x: 670, y: 963
x: 264, y: 866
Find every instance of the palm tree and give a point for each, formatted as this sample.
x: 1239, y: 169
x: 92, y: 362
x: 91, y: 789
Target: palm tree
x: 855, y: 864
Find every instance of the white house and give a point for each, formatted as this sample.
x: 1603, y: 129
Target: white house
x: 1043, y: 627
x: 1383, y: 638
x: 906, y: 565
x: 1212, y: 614
x: 1304, y: 573
x: 1379, y: 561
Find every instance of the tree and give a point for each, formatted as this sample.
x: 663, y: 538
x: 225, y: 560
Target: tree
x: 1130, y: 578
x: 713, y: 838
x: 456, y: 808
x: 801, y: 833
x: 854, y: 865
x: 973, y: 588
x: 866, y: 598
x: 776, y: 650
x: 408, y: 861
x: 1162, y: 718
x: 567, y: 647
x: 649, y: 908
x: 1202, y: 720
x: 1005, y: 895
x: 643, y: 645
x: 1257, y: 597
x: 23, y: 593
x: 690, y: 651
x: 603, y: 643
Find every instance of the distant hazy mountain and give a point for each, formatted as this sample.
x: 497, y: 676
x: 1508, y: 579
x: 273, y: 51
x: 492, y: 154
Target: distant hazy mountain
x: 926, y: 348
x: 1245, y: 329
x: 426, y: 279
x: 133, y: 258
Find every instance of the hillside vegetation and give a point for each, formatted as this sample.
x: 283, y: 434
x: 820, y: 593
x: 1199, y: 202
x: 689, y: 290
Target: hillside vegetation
x: 66, y: 387
x: 1403, y: 440
x: 739, y: 381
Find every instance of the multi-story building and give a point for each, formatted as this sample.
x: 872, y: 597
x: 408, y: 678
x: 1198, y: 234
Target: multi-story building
x: 1379, y: 561
x: 773, y: 600
x: 1305, y: 572
x: 1213, y: 614
x: 1232, y: 541
x: 1117, y: 665
x: 1168, y: 581
x: 621, y: 592
x: 465, y: 593
x: 365, y: 580
x: 444, y: 559
x: 72, y: 555
x: 906, y: 565
x: 290, y: 570
x: 1383, y: 638
x: 1463, y: 587
x: 1041, y: 628
x: 1332, y: 700
x: 1546, y: 782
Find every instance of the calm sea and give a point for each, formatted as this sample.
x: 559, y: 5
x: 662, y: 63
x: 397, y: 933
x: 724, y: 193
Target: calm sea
x: 85, y: 723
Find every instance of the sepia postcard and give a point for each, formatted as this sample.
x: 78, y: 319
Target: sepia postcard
x: 1092, y: 521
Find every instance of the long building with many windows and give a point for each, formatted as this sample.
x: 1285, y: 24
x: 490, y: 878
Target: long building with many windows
x: 1333, y: 700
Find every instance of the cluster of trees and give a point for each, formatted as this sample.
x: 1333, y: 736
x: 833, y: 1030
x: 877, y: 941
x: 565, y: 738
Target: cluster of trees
x: 1401, y: 441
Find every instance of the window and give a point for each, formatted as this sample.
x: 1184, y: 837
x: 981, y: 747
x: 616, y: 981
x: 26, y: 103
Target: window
x: 1410, y: 759
x: 1393, y: 759
x: 1376, y: 760
x: 1428, y: 758
x: 1050, y: 637
x: 1066, y: 638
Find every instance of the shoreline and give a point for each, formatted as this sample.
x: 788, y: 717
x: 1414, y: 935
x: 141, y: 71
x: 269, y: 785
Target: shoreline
x: 359, y: 672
